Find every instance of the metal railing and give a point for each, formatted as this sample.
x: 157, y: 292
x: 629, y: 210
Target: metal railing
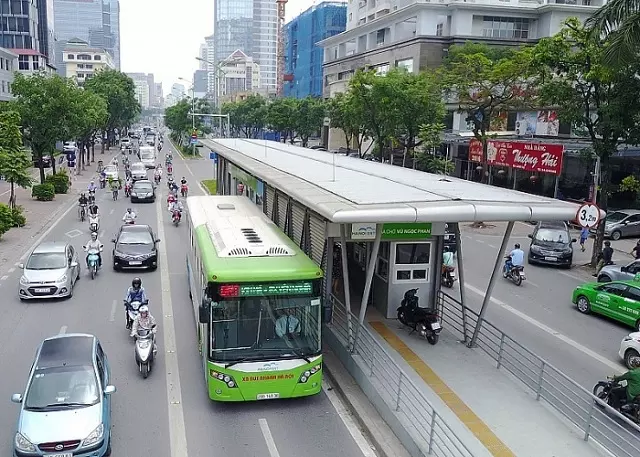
x: 595, y: 419
x: 427, y: 428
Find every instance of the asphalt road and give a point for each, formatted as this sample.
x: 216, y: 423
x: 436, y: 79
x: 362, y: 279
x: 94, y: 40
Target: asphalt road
x: 539, y: 314
x: 150, y: 419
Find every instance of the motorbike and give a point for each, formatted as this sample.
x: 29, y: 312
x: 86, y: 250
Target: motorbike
x: 94, y: 223
x: 176, y: 215
x: 92, y: 197
x: 157, y: 178
x: 103, y: 182
x: 127, y: 190
x: 184, y: 190
x: 82, y: 212
x: 130, y: 221
x: 144, y: 350
x: 515, y: 273
x: 92, y: 261
x: 629, y: 409
x: 169, y: 168
x: 448, y: 276
x: 131, y: 311
x: 114, y: 192
x: 421, y: 320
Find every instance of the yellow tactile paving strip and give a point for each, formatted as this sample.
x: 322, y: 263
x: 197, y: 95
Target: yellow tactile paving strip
x: 464, y: 413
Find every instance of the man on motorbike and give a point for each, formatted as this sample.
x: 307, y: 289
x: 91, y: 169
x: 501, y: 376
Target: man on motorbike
x: 515, y: 258
x: 145, y: 321
x: 129, y: 216
x: 447, y: 258
x: 92, y: 186
x: 82, y: 203
x: 94, y: 211
x: 136, y: 292
x: 94, y: 244
x: 632, y: 390
x: 176, y: 205
x: 128, y: 184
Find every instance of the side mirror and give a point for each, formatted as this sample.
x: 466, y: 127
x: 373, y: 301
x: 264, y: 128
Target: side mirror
x: 113, y: 240
x: 109, y: 390
x: 157, y: 240
x: 327, y: 314
x: 73, y: 264
x: 573, y: 240
x: 153, y: 326
x: 21, y: 266
x: 530, y: 235
x: 203, y: 314
x: 624, y: 269
x: 16, y: 398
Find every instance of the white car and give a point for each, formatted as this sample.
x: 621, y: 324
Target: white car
x: 138, y: 171
x: 630, y: 348
x: 111, y: 171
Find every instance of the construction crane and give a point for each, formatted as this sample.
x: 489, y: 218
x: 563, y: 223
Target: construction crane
x: 280, y: 48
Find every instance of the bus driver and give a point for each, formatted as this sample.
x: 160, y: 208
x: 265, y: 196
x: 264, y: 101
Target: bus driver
x: 287, y: 325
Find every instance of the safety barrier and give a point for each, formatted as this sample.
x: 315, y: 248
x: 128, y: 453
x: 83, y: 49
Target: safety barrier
x: 595, y: 419
x: 426, y: 427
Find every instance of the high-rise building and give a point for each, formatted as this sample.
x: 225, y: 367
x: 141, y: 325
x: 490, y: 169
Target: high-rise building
x: 142, y: 91
x: 200, y: 84
x: 8, y: 66
x: 95, y: 21
x: 303, y: 58
x: 159, y: 95
x: 210, y: 57
x: 46, y: 30
x: 178, y: 92
x: 250, y: 26
x: 202, y: 53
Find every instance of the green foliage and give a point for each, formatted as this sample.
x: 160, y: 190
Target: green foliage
x: 118, y: 90
x: 177, y: 119
x: 619, y: 21
x: 434, y: 164
x: 347, y: 115
x: 59, y: 181
x: 15, y: 162
x: 630, y: 184
x: 281, y: 115
x: 43, y: 192
x: 211, y: 185
x: 6, y: 219
x: 310, y: 113
x: 247, y: 117
x: 19, y: 219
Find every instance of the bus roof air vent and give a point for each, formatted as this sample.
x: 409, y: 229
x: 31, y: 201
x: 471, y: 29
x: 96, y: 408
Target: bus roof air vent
x: 226, y: 206
x: 239, y: 252
x: 278, y: 250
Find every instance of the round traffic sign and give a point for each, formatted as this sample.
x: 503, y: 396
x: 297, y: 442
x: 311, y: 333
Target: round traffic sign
x: 588, y: 215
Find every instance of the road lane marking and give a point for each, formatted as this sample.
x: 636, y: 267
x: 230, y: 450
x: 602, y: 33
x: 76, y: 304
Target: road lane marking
x: 63, y: 330
x: 177, y: 431
x: 112, y: 211
x: 204, y: 192
x: 73, y: 233
x: 11, y: 270
x: 470, y: 419
x: 572, y: 276
x: 347, y: 420
x: 54, y: 224
x: 114, y: 309
x: 492, y: 246
x: 4, y: 277
x: 565, y: 339
x: 266, y: 432
x: 532, y: 283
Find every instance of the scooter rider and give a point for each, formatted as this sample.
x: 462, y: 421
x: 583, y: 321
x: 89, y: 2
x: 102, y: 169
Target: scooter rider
x: 176, y: 205
x: 94, y: 244
x: 145, y: 321
x: 94, y: 211
x: 129, y: 216
x: 92, y: 186
x: 83, y: 201
x: 517, y: 258
x: 632, y: 390
x: 135, y: 293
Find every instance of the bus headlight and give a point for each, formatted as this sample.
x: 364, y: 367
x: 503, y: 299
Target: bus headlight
x: 228, y: 380
x: 304, y: 377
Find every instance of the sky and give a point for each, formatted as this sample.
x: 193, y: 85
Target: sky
x: 163, y: 37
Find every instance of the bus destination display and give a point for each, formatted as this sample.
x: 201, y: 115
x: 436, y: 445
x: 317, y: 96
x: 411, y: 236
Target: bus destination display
x: 284, y: 288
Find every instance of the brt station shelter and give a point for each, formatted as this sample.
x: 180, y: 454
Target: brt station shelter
x: 391, y: 220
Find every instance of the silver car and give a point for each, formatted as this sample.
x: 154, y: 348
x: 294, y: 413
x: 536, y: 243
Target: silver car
x: 619, y: 272
x: 138, y: 171
x: 618, y: 224
x: 51, y: 271
x: 111, y: 171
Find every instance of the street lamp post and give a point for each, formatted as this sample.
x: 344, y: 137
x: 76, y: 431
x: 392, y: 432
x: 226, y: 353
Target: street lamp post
x: 193, y: 109
x: 216, y: 72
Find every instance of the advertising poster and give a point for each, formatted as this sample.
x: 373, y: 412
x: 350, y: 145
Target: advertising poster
x: 527, y: 123
x: 548, y: 123
x: 532, y: 157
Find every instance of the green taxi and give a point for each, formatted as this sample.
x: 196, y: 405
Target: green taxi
x: 618, y: 300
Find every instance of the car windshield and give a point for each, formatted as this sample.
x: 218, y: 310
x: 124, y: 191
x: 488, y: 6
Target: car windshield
x: 144, y: 186
x: 110, y: 169
x: 256, y: 328
x: 552, y: 235
x: 135, y: 237
x: 146, y: 155
x: 62, y: 387
x: 46, y: 261
x: 616, y: 216
x: 138, y: 167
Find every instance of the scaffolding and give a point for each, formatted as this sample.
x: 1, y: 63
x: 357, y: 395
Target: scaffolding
x: 281, y: 49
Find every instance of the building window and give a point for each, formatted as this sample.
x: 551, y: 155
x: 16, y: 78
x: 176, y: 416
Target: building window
x: 84, y: 57
x: 8, y: 87
x: 439, y: 29
x: 407, y: 64
x: 70, y: 56
x: 97, y: 58
x: 350, y: 16
x: 2, y: 64
x: 36, y: 62
x: 380, y: 37
x: 505, y: 27
x: 4, y: 87
x: 89, y: 66
x: 23, y: 62
x: 381, y: 69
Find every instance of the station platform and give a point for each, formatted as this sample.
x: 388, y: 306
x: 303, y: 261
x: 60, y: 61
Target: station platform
x: 466, y: 389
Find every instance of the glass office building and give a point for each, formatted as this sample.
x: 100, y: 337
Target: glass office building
x: 251, y: 26
x: 95, y: 21
x: 19, y: 24
x: 303, y: 58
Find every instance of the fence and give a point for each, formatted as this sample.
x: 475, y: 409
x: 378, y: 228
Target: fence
x: 599, y: 422
x: 427, y: 429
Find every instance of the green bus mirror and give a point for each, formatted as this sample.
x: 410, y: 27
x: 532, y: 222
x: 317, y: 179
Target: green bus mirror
x: 327, y: 312
x: 203, y: 316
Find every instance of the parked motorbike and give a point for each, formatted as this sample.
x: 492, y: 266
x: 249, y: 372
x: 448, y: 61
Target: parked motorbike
x: 94, y: 223
x: 93, y: 262
x: 184, y: 190
x: 131, y: 311
x: 423, y: 320
x: 629, y: 409
x: 515, y: 273
x: 144, y: 350
x: 448, y: 276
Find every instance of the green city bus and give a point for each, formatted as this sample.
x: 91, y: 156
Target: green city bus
x: 257, y: 303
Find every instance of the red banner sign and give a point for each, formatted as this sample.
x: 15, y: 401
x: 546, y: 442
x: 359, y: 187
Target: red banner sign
x: 534, y: 157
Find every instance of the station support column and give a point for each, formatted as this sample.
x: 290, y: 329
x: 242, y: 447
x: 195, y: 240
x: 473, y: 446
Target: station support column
x: 368, y: 280
x: 345, y: 282
x: 492, y: 282
x: 461, y: 281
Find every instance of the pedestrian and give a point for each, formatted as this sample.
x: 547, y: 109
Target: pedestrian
x: 584, y: 235
x: 337, y: 269
x: 635, y: 252
x: 605, y: 257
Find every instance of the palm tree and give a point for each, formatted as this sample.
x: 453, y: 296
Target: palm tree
x: 619, y: 20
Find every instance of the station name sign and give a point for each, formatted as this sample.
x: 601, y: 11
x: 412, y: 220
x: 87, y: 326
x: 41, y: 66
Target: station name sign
x: 392, y: 231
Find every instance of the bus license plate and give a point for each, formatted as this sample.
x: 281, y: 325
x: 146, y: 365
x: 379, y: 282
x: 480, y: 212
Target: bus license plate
x: 135, y: 262
x: 267, y: 396
x: 551, y: 259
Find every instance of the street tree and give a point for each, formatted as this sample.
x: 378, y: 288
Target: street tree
x: 430, y: 139
x: 348, y: 116
x: 619, y: 21
x: 44, y: 105
x: 281, y: 114
x: 119, y: 92
x: 91, y: 115
x: 15, y: 164
x: 177, y: 119
x: 485, y: 81
x: 601, y: 101
x: 309, y: 118
x: 248, y: 116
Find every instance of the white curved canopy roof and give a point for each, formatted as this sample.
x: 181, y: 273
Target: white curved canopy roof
x: 355, y: 190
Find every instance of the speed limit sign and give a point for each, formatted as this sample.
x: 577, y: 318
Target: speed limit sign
x: 588, y: 215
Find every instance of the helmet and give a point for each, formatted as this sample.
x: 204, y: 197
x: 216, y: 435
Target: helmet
x: 129, y: 210
x: 82, y: 194
x: 517, y: 245
x: 143, y: 309
x: 94, y: 236
x: 92, y: 181
x: 607, y: 243
x: 136, y: 283
x: 446, y: 249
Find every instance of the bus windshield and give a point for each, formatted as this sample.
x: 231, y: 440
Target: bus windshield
x: 259, y: 328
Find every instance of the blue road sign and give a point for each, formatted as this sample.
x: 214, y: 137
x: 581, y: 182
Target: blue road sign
x: 193, y: 141
x: 213, y: 156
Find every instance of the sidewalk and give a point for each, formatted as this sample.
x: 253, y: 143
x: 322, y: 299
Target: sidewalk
x: 40, y: 215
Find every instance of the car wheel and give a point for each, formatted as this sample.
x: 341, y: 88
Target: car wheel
x: 583, y: 304
x: 616, y: 235
x: 630, y: 354
x: 604, y: 278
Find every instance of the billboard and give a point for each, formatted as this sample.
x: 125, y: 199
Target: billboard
x: 533, y: 157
